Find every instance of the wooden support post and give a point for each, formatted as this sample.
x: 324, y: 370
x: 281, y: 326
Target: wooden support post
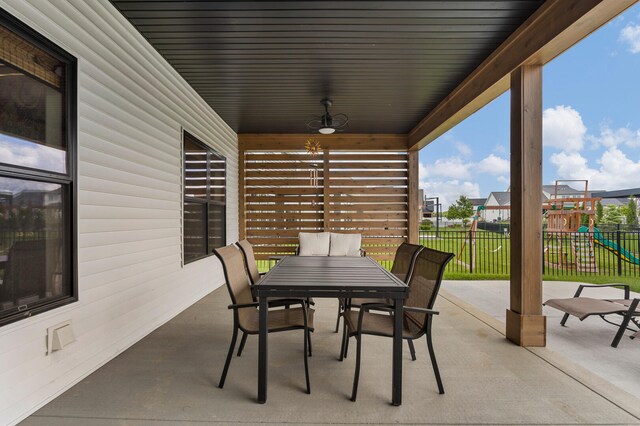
x: 413, y: 203
x: 326, y: 191
x: 242, y: 228
x: 526, y: 326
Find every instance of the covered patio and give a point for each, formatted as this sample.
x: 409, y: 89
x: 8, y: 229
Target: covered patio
x: 191, y: 135
x: 171, y: 376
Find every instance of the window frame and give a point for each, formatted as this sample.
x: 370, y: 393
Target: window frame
x: 67, y: 180
x: 194, y: 200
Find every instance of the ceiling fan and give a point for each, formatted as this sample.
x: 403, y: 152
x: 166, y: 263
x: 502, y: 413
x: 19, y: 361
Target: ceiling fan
x: 327, y: 123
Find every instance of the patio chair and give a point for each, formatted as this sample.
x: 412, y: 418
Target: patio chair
x: 245, y: 309
x: 584, y: 307
x: 418, y: 313
x: 402, y: 267
x: 254, y: 276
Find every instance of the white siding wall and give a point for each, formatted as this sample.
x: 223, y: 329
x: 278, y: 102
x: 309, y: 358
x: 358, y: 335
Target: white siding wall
x: 131, y: 107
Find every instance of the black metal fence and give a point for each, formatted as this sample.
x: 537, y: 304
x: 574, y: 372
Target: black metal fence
x: 613, y: 253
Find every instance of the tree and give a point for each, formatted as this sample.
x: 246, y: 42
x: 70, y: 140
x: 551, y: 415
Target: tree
x: 462, y: 209
x: 632, y: 212
x: 599, y: 212
x: 613, y: 215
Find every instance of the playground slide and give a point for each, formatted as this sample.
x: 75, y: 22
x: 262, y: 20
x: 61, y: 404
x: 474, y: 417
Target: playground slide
x: 610, y: 245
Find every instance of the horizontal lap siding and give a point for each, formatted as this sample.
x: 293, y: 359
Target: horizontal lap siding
x: 131, y: 108
x: 367, y: 194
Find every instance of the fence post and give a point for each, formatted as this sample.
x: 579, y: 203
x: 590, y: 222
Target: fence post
x: 619, y: 251
x: 470, y: 252
x: 543, y: 240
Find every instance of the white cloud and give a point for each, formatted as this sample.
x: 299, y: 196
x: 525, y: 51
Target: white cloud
x: 450, y: 190
x: 500, y: 149
x: 562, y: 128
x: 630, y: 35
x: 494, y: 165
x: 463, y: 149
x: 615, y: 171
x: 614, y: 137
x: 452, y: 167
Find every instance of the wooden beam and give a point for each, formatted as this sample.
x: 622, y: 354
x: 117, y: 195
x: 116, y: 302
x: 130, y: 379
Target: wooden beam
x: 326, y: 198
x: 553, y: 28
x: 242, y: 202
x: 413, y: 202
x: 335, y: 142
x: 526, y: 326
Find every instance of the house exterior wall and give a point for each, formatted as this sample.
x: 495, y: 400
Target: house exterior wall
x: 132, y: 106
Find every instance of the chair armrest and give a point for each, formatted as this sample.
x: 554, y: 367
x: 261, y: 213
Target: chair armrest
x: 625, y: 287
x: 243, y: 305
x: 376, y: 307
x: 421, y: 310
x: 274, y: 304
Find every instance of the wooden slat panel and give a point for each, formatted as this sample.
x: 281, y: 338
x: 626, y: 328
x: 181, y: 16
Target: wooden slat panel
x: 369, y: 173
x: 370, y: 224
x: 293, y: 198
x: 281, y: 182
x: 367, y: 182
x: 355, y: 198
x: 274, y: 241
x: 294, y: 233
x: 367, y: 165
x: 368, y: 157
x: 299, y: 174
x: 378, y: 190
x: 285, y: 191
x: 396, y: 207
x: 282, y: 207
x: 291, y: 156
x: 275, y: 225
x: 294, y: 216
x: 287, y: 165
x: 374, y: 215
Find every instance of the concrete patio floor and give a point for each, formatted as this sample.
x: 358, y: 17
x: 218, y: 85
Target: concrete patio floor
x: 586, y: 343
x: 170, y: 377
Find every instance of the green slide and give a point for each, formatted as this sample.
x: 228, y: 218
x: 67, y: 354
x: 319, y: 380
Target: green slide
x: 611, y: 246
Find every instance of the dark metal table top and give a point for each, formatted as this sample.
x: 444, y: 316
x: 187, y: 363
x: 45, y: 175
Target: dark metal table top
x: 319, y: 274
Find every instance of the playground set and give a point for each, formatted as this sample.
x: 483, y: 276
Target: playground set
x: 570, y: 243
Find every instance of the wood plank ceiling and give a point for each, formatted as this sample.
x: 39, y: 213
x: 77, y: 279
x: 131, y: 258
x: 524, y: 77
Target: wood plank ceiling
x: 264, y: 66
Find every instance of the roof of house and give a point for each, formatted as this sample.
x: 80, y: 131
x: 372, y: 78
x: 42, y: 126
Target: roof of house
x: 503, y: 198
x: 621, y: 193
x: 478, y: 201
x: 562, y: 190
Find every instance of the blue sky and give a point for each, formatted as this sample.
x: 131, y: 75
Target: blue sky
x: 591, y: 123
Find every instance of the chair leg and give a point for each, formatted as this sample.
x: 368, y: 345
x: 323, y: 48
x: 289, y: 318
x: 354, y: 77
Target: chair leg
x: 624, y: 324
x: 412, y: 349
x: 339, y: 315
x: 356, y: 377
x: 565, y: 317
x: 346, y: 346
x: 344, y: 338
x: 242, y: 342
x: 232, y: 346
x: 432, y: 355
x: 307, y: 339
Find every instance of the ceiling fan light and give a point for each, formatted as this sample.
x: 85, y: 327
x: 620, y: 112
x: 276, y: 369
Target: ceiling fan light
x: 326, y: 130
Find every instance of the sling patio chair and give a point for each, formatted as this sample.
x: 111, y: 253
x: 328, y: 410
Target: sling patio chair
x: 418, y: 313
x: 254, y: 276
x: 584, y: 307
x: 402, y: 266
x: 245, y: 309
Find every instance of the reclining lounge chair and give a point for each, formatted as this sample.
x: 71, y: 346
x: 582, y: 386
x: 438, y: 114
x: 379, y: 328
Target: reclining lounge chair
x: 584, y: 307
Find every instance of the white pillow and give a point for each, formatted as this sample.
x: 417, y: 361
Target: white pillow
x: 314, y: 244
x: 345, y: 244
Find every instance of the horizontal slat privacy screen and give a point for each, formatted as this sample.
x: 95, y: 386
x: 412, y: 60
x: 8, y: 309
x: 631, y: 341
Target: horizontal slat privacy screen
x: 355, y: 192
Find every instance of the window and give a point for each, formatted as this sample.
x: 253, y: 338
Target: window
x: 37, y: 171
x: 204, y: 226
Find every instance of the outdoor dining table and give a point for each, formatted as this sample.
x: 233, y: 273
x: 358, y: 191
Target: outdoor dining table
x: 333, y: 277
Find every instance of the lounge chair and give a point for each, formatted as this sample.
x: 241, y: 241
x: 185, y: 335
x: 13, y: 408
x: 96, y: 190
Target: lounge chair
x: 418, y: 313
x: 245, y: 309
x: 584, y: 307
